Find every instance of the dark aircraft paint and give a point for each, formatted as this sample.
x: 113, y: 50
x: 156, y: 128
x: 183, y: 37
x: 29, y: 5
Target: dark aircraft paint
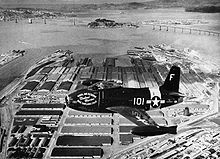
x: 151, y: 130
x: 98, y: 101
x: 94, y: 99
x: 99, y: 97
x: 90, y: 82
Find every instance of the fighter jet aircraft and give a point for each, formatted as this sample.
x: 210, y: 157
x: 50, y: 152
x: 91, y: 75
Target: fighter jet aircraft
x: 132, y: 103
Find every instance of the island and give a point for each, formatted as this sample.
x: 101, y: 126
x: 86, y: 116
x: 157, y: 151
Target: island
x: 105, y: 23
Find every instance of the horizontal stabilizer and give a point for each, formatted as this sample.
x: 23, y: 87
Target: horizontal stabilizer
x: 177, y: 94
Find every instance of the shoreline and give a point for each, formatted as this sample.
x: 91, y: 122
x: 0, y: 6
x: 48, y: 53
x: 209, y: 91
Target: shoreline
x: 10, y: 61
x: 54, y: 48
x: 82, y: 40
x: 53, y: 93
x: 204, y: 9
x: 49, y: 50
x: 10, y: 87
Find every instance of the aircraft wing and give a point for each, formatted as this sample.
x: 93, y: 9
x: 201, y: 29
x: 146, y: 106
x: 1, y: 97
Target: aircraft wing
x: 137, y: 116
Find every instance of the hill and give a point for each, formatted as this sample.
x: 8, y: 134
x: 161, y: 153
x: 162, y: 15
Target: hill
x: 71, y: 7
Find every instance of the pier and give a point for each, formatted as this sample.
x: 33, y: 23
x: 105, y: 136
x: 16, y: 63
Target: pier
x: 185, y: 30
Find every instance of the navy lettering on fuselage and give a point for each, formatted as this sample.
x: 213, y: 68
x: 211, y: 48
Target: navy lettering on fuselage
x: 139, y: 101
x: 132, y: 97
x: 87, y: 98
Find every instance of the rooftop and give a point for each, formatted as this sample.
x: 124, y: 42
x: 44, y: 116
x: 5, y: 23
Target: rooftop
x: 50, y: 106
x: 68, y: 140
x: 39, y: 112
x: 30, y: 86
x: 65, y: 86
x: 48, y: 86
x: 76, y: 152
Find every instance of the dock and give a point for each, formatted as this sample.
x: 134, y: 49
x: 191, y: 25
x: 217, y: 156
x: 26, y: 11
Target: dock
x: 44, y: 120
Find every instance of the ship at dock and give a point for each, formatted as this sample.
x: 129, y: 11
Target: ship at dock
x: 10, y: 56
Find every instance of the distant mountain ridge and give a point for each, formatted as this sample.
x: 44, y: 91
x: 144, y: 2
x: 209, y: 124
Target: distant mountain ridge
x: 192, y: 2
x: 119, y: 6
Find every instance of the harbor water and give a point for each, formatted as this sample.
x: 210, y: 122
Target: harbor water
x: 39, y: 39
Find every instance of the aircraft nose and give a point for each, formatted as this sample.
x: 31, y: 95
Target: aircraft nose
x: 132, y: 131
x: 67, y: 100
x: 71, y: 101
x: 135, y: 130
x: 180, y: 99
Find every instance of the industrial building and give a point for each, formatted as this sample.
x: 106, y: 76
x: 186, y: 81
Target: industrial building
x: 46, y: 70
x: 59, y: 70
x: 69, y: 140
x: 75, y: 113
x: 30, y: 86
x: 44, y: 106
x: 109, y: 61
x: 61, y: 152
x: 50, y: 120
x: 125, y: 139
x: 88, y: 121
x: 87, y: 130
x: 13, y: 142
x: 86, y: 72
x: 73, y: 69
x: 22, y: 129
x: 47, y: 87
x: 38, y: 112
x: 125, y: 121
x: 125, y: 129
x: 69, y: 77
x: 25, y: 120
x: 65, y: 86
x: 36, y: 78
x: 15, y: 129
x: 53, y: 78
x: 18, y: 129
x: 26, y: 152
x: 85, y: 62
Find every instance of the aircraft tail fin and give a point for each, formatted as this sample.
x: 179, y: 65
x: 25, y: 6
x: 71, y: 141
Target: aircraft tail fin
x: 172, y: 81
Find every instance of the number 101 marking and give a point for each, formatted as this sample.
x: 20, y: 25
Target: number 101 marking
x: 138, y: 101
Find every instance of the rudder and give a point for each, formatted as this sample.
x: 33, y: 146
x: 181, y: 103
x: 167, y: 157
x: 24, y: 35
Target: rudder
x: 171, y: 83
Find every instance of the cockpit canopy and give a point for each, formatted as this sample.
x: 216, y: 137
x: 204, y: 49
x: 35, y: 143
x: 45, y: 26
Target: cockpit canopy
x: 104, y: 85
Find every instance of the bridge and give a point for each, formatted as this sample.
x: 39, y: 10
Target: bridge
x: 185, y: 30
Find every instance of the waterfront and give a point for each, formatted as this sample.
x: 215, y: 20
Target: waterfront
x: 38, y: 104
x: 40, y: 39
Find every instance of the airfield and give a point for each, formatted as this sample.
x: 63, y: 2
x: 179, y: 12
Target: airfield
x: 44, y: 127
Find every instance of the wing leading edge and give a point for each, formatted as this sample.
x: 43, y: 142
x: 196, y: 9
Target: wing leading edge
x: 137, y: 116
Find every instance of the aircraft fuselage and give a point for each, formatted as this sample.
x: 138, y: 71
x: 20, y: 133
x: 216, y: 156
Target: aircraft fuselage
x: 99, y: 100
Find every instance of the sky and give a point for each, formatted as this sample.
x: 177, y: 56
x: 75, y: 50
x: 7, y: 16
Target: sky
x: 66, y: 1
